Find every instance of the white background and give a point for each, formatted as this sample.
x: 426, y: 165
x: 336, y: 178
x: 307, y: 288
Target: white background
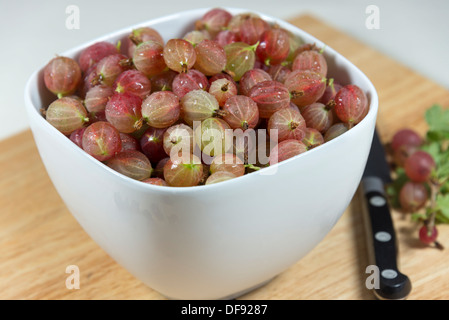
x: 415, y: 32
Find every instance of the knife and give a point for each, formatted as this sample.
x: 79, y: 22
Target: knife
x: 381, y: 239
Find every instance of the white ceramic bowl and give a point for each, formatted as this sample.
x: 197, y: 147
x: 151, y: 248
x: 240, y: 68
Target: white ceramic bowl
x: 216, y: 241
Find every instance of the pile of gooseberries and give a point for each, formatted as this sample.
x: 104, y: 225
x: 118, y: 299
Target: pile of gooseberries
x: 164, y: 112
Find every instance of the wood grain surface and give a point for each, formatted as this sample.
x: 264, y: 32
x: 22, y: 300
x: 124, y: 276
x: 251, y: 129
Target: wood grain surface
x: 39, y: 238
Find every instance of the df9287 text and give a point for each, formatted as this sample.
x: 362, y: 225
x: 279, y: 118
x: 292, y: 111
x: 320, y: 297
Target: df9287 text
x: 246, y: 309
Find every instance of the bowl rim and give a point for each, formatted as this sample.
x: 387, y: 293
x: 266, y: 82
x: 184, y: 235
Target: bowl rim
x: 33, y: 113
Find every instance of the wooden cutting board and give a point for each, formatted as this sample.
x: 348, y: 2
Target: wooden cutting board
x: 39, y: 238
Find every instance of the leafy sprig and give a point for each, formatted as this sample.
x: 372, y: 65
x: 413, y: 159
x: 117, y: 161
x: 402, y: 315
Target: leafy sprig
x: 436, y: 143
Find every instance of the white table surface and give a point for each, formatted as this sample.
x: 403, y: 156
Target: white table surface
x: 415, y: 32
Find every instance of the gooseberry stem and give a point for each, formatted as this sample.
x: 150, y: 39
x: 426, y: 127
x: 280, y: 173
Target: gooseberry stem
x: 138, y: 124
x: 330, y: 105
x: 225, y: 87
x: 253, y: 47
x: 296, y: 94
x: 251, y: 166
x: 434, y: 188
x: 134, y: 39
x: 293, y: 125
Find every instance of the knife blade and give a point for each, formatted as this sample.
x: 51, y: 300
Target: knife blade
x: 381, y: 238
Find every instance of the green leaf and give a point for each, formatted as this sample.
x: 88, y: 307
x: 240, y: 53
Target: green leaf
x: 434, y: 149
x: 391, y: 191
x: 437, y: 135
x: 443, y: 169
x: 441, y: 157
x: 440, y: 218
x: 418, y: 217
x: 437, y: 118
x: 443, y: 204
x: 445, y: 188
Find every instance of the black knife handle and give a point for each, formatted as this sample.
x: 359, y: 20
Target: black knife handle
x: 393, y: 285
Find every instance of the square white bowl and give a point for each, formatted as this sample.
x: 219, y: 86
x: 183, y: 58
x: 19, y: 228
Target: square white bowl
x: 216, y: 241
